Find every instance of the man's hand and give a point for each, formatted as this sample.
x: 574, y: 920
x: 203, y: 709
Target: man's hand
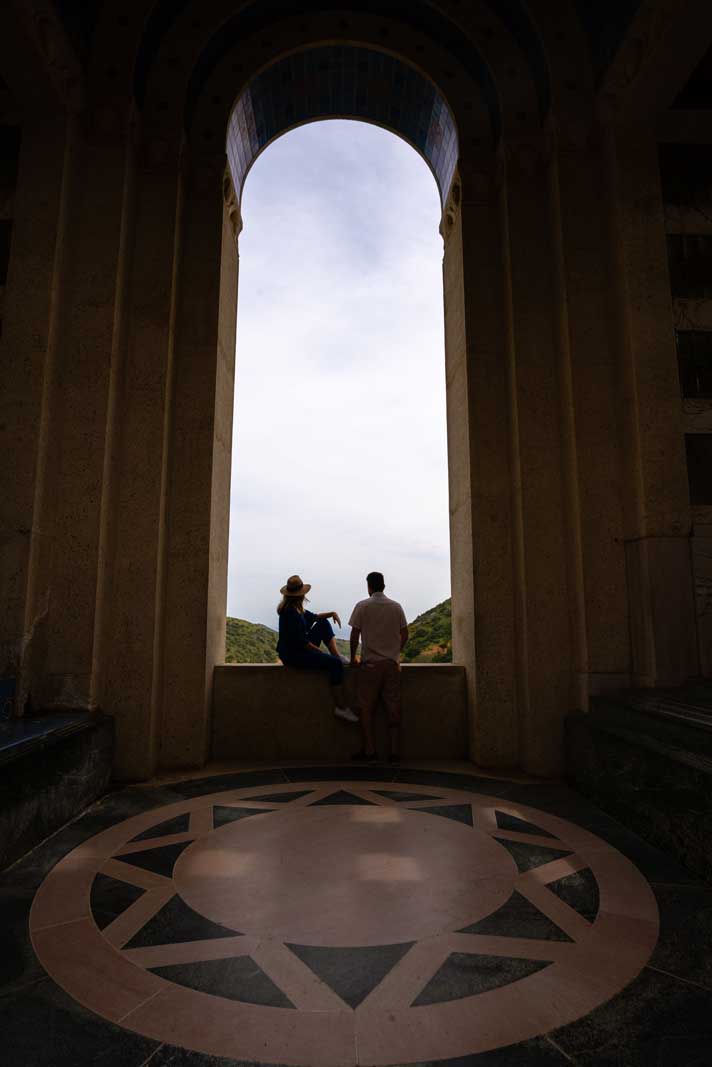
x: 354, y: 640
x: 336, y: 619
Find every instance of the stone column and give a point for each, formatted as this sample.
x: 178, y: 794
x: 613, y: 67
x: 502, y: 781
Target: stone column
x: 478, y: 350
x: 592, y: 454
x: 658, y: 518
x: 544, y: 632
x: 88, y: 384
x: 199, y: 488
x: 32, y: 323
x: 133, y: 616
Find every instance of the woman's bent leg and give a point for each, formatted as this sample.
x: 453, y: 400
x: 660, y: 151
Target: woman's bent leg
x: 321, y: 631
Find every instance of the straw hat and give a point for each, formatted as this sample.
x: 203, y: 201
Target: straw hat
x: 295, y: 587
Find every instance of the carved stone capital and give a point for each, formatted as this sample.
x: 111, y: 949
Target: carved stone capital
x: 451, y: 209
x: 232, y: 204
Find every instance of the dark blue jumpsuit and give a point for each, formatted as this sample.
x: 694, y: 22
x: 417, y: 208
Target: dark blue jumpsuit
x: 296, y: 630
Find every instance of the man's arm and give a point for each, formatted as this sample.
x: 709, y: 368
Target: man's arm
x: 404, y: 637
x: 355, y: 638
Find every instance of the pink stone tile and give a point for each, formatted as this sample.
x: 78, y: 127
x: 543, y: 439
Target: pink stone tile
x: 190, y: 951
x: 398, y: 875
x: 221, y: 1027
x: 126, y: 925
x: 82, y: 963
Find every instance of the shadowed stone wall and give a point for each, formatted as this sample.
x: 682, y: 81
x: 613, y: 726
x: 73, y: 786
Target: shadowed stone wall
x: 570, y: 506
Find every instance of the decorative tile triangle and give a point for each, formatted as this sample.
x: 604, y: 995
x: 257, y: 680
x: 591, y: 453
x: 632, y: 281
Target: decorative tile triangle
x: 527, y: 857
x: 280, y: 798
x: 352, y: 973
x: 237, y: 978
x: 518, y: 917
x: 580, y: 891
x: 177, y: 825
x: 505, y: 821
x: 458, y: 812
x: 223, y: 814
x: 177, y: 922
x: 340, y: 797
x: 110, y: 898
x: 160, y: 860
x: 391, y: 794
x: 465, y: 975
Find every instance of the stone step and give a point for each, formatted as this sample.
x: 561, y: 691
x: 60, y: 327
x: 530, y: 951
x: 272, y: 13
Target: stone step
x: 53, y: 766
x: 646, y: 758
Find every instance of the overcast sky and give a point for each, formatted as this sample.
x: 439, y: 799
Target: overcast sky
x: 339, y: 448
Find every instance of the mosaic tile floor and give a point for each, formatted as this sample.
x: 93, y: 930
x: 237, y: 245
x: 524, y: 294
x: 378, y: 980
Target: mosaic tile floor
x: 328, y: 917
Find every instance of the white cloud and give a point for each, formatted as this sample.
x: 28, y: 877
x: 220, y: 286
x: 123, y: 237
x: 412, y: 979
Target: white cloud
x: 339, y: 461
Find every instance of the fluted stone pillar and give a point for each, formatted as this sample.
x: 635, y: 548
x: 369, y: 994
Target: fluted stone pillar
x: 134, y: 611
x: 200, y: 457
x: 88, y: 391
x: 544, y: 631
x: 658, y: 518
x: 593, y: 457
x: 35, y: 299
x: 478, y: 354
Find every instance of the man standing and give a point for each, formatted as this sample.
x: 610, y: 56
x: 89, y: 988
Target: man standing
x: 381, y: 626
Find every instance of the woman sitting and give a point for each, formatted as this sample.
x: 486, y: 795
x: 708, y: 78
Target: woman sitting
x: 300, y: 634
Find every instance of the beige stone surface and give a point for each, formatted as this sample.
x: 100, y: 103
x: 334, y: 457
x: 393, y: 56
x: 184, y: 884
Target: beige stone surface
x: 31, y: 337
x: 269, y: 712
x: 136, y: 597
x: 544, y: 628
x: 199, y: 484
x: 595, y: 463
x: 478, y: 364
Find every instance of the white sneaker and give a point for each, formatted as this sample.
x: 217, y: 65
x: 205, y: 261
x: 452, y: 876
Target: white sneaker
x: 346, y: 714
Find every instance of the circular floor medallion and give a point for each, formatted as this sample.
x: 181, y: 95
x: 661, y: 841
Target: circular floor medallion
x: 371, y: 875
x: 329, y: 924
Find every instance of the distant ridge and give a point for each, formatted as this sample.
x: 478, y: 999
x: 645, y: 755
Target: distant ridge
x: 430, y: 636
x: 430, y: 639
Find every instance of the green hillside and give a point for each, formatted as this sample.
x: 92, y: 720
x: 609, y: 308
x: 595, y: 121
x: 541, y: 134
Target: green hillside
x: 251, y: 642
x: 430, y: 640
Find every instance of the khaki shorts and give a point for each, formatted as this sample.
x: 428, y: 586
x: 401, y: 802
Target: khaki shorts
x: 380, y: 679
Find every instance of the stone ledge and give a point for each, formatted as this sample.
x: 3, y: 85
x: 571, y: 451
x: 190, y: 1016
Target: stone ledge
x: 19, y: 737
x: 269, y: 712
x: 52, y: 780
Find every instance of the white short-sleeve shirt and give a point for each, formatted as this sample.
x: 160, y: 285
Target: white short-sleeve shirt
x: 380, y: 621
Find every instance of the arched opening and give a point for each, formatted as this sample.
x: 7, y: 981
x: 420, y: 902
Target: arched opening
x: 339, y: 440
x: 349, y: 82
x: 342, y: 81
